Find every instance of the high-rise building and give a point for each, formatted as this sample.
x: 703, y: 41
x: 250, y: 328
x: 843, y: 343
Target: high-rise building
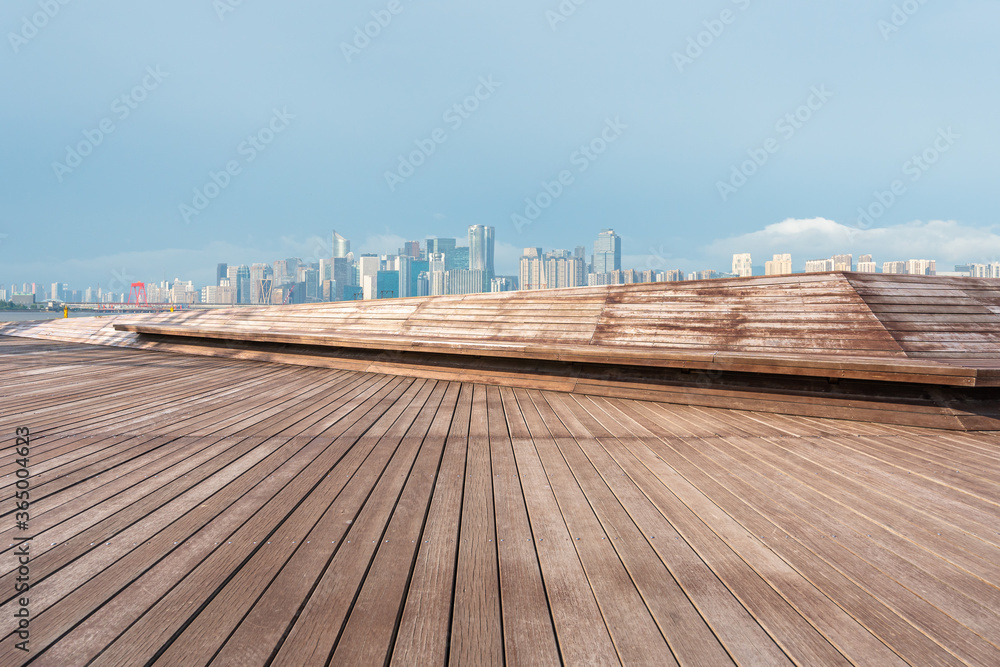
x: 819, y: 265
x: 435, y: 244
x: 221, y: 271
x: 411, y: 249
x: 404, y: 265
x: 607, y: 252
x: 368, y: 268
x: 781, y: 265
x: 242, y: 283
x: 564, y: 270
x: 457, y: 258
x: 261, y: 281
x: 503, y: 284
x: 532, y: 273
x: 921, y: 267
x: 481, y: 247
x: 342, y: 273
x: 465, y: 281
x: 742, y: 265
x: 386, y: 284
x: 866, y: 264
x: 341, y: 246
x: 894, y: 267
x: 436, y: 267
x: 843, y: 262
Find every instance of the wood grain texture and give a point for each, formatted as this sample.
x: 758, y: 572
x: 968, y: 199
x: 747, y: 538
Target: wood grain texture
x: 212, y: 510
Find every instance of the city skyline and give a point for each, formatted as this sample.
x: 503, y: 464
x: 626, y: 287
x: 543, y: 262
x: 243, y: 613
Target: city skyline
x: 442, y: 266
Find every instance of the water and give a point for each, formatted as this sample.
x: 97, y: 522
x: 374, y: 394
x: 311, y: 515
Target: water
x: 30, y: 315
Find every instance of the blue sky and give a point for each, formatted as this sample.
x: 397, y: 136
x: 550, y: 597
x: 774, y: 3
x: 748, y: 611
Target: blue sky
x: 830, y: 102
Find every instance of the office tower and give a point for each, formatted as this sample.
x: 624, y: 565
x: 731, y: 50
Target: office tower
x: 780, y: 265
x: 532, y: 269
x: 457, y: 259
x: 385, y: 284
x: 404, y: 265
x: 261, y: 282
x: 436, y: 262
x: 411, y: 249
x: 243, y: 284
x: 481, y: 247
x: 465, y: 281
x: 423, y: 284
x: 418, y: 266
x: 437, y: 245
x: 221, y: 271
x: 342, y: 273
x: 742, y: 265
x: 607, y: 252
x: 341, y: 246
x: 368, y: 268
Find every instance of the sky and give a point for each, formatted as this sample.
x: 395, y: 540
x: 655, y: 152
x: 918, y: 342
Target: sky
x: 150, y: 141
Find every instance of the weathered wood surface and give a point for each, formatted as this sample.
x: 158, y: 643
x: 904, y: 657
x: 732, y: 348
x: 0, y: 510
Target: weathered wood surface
x: 197, y: 510
x: 908, y: 329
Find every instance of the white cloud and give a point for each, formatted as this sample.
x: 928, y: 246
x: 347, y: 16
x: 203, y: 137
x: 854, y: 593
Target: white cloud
x: 947, y: 241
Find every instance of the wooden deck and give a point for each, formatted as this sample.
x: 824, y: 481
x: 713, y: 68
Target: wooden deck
x: 191, y: 510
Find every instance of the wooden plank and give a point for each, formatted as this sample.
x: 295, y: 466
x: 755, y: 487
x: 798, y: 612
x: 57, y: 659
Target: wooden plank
x: 422, y: 637
x: 581, y: 630
x: 476, y: 629
x: 629, y: 621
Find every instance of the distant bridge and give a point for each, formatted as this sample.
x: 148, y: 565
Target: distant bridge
x: 117, y: 307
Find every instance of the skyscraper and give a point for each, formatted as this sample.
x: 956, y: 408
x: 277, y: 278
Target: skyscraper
x: 221, y: 271
x: 411, y: 249
x: 481, y: 249
x: 607, y: 252
x: 435, y: 244
x: 368, y: 268
x: 341, y: 246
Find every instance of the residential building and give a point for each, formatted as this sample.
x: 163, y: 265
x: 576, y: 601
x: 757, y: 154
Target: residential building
x: 780, y: 265
x: 743, y: 265
x: 532, y: 269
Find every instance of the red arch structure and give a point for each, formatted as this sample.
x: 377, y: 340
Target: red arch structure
x: 138, y: 294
